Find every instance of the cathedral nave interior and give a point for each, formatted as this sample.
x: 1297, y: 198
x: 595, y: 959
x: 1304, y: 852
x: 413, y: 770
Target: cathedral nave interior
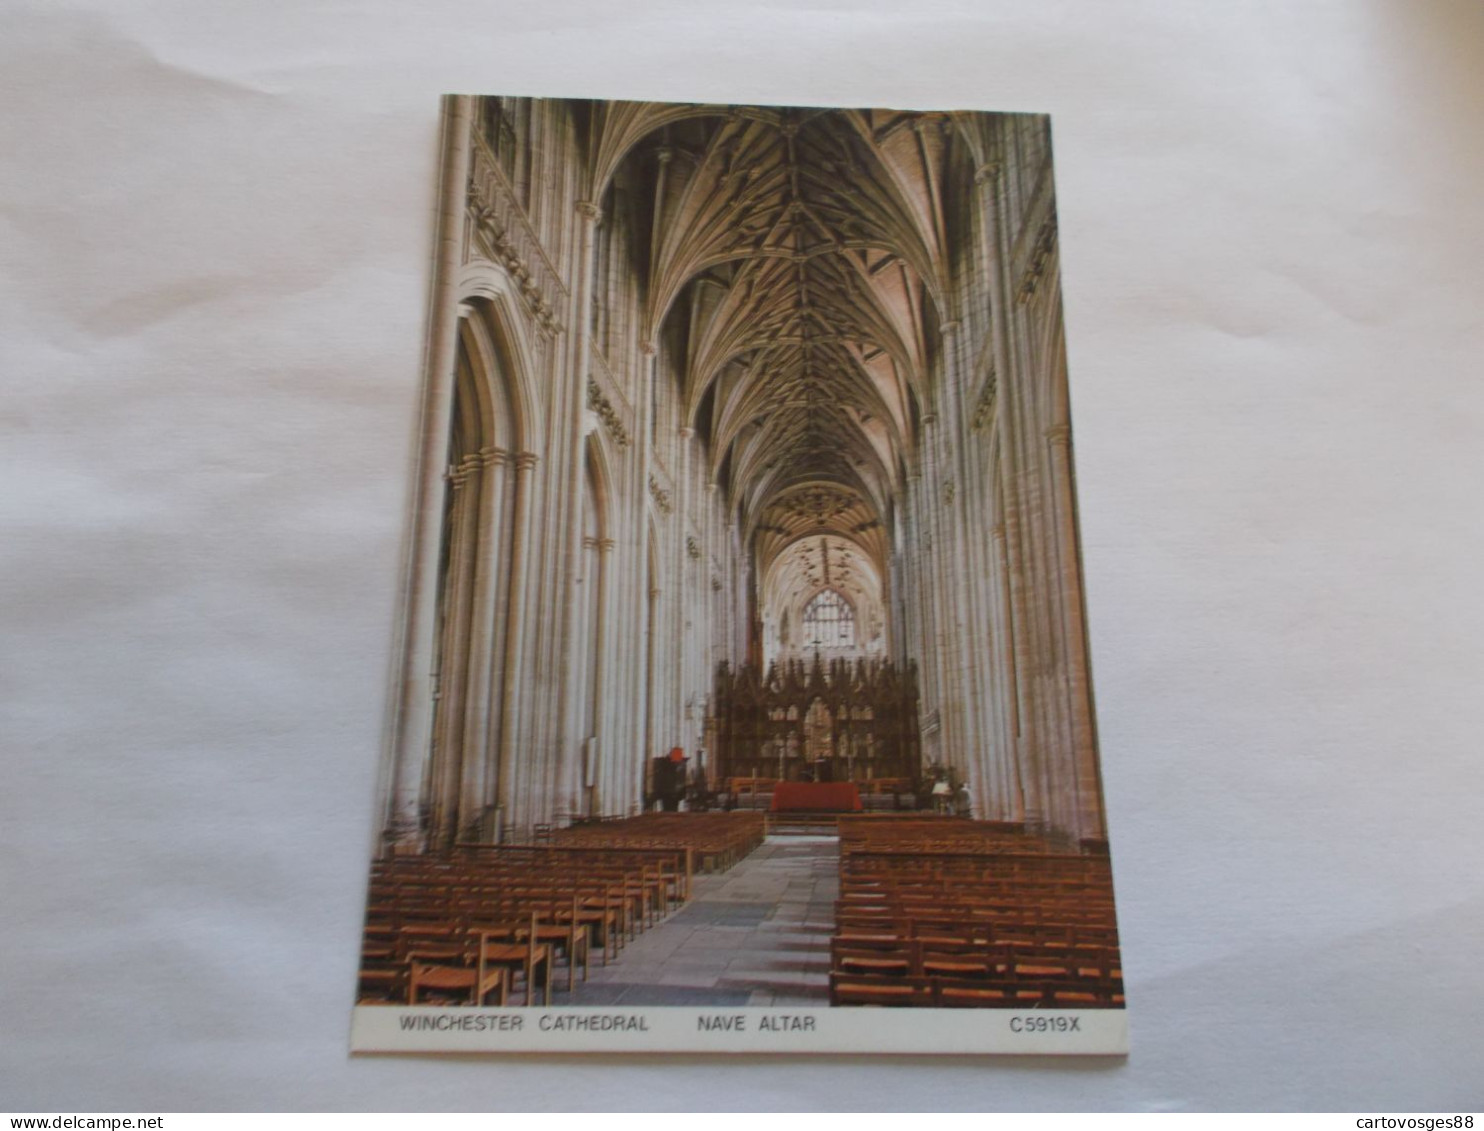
x: 742, y: 596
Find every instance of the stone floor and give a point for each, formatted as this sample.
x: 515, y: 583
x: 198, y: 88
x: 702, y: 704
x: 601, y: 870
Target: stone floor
x: 758, y: 934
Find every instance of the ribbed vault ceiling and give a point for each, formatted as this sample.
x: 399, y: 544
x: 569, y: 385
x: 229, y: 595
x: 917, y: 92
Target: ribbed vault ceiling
x: 795, y: 263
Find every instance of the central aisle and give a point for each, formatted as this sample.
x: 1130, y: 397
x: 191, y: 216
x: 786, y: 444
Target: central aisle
x: 758, y: 934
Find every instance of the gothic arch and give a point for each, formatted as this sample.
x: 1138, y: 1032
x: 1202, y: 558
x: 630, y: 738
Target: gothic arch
x: 479, y: 626
x: 494, y: 332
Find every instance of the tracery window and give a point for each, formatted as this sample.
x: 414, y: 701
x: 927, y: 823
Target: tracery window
x: 829, y: 621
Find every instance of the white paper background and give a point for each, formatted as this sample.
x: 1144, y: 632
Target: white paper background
x: 215, y: 221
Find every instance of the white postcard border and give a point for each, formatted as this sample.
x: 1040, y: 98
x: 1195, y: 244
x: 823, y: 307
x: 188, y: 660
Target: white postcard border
x: 722, y: 1029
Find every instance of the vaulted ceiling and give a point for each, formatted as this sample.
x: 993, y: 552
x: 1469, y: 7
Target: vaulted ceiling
x: 796, y: 265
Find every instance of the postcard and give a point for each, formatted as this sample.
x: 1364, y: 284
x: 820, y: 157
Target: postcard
x: 743, y: 699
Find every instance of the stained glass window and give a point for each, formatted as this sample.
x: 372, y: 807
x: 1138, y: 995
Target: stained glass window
x: 829, y: 621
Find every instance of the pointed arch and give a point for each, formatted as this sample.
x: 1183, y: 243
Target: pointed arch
x: 494, y: 331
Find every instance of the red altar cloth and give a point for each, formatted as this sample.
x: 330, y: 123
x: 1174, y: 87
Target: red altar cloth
x: 831, y: 796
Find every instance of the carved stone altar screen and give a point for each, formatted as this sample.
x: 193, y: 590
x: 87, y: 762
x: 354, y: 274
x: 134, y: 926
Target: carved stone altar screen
x: 841, y: 722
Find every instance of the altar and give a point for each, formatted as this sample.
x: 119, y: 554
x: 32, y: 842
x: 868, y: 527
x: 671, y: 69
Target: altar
x: 816, y: 796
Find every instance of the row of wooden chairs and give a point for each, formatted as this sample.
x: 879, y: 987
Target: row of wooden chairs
x: 945, y: 912
x: 915, y: 824
x: 485, y: 920
x: 594, y: 858
x: 715, y: 840
x: 636, y: 901
x: 472, y: 964
x: 610, y: 913
x: 989, y: 863
x: 971, y: 993
x: 985, y: 877
x: 985, y: 918
x: 477, y: 925
x: 571, y: 929
x: 662, y: 868
x: 891, y: 922
x: 938, y: 834
x: 1079, y: 893
x: 973, y: 958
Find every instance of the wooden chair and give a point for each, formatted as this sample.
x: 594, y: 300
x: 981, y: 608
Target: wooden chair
x: 865, y: 989
x: 517, y: 947
x: 381, y: 984
x: 476, y: 981
x: 566, y: 931
x: 574, y: 939
x: 894, y: 962
x: 953, y: 993
x: 965, y: 962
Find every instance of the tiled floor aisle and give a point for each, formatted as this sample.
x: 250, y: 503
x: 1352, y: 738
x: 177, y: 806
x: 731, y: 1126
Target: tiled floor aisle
x: 756, y: 935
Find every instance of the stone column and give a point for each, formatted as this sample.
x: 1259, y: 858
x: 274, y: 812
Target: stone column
x: 621, y: 634
x: 598, y: 772
x: 1090, y: 811
x: 479, y: 699
x: 651, y: 685
x: 643, y: 584
x: 503, y: 798
x: 1006, y: 677
x: 680, y: 591
x: 448, y: 716
x: 1033, y: 540
x: 1020, y: 458
x: 969, y: 640
x: 737, y: 597
x: 1023, y: 518
x: 940, y: 593
x: 569, y: 664
x: 412, y: 722
x: 713, y: 631
x: 649, y: 592
x: 896, y: 611
x: 436, y: 765
x: 1012, y: 788
x: 918, y: 568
